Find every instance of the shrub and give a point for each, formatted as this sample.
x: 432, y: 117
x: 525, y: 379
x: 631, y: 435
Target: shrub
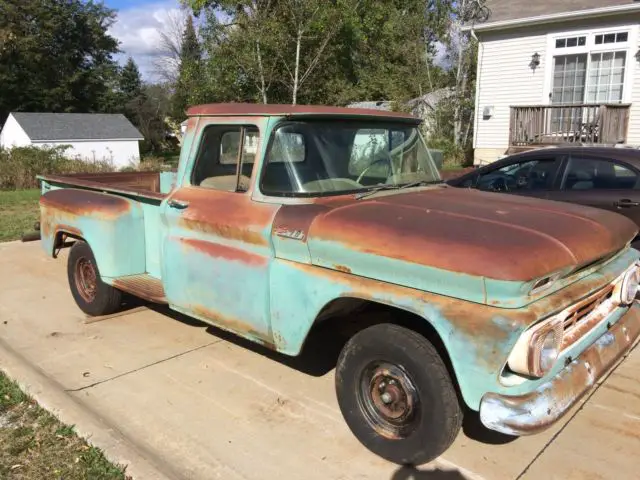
x: 19, y: 166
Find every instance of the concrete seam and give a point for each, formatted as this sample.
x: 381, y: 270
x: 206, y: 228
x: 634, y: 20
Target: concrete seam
x: 124, y: 374
x: 591, y: 394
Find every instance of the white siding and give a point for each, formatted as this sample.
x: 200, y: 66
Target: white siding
x: 122, y: 153
x: 633, y: 134
x: 13, y: 135
x: 505, y: 79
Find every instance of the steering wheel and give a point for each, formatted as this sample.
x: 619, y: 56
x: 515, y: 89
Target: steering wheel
x: 375, y: 162
x: 499, y: 185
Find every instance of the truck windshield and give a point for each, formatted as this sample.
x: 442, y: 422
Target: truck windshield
x: 310, y: 158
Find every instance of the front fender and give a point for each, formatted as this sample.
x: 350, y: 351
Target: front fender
x: 477, y: 337
x: 113, y: 226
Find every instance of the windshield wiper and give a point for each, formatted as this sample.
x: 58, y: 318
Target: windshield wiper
x: 381, y: 188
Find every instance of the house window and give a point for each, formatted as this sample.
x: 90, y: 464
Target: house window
x: 588, y: 69
x: 606, y: 77
x: 571, y: 42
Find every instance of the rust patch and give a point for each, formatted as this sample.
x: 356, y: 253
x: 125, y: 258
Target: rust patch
x: 297, y: 218
x: 342, y: 268
x: 473, y: 232
x: 253, y: 109
x: 68, y: 229
x: 92, y: 182
x: 81, y: 202
x: 226, y: 214
x: 227, y: 253
x: 233, y: 325
x: 143, y: 286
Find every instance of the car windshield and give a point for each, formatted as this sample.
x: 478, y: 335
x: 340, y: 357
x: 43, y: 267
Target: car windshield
x: 306, y: 158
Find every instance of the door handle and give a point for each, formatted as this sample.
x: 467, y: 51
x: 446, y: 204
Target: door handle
x: 177, y: 204
x: 626, y: 203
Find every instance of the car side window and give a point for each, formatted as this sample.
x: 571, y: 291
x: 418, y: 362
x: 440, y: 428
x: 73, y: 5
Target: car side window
x: 530, y: 175
x: 598, y: 174
x: 226, y: 157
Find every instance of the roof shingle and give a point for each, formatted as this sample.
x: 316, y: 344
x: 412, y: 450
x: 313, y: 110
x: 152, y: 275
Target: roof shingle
x: 76, y: 126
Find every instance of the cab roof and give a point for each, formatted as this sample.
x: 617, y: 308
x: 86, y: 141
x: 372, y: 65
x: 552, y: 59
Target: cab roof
x: 272, y: 109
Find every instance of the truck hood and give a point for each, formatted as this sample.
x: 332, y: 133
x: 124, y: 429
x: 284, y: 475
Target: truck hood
x: 495, y: 236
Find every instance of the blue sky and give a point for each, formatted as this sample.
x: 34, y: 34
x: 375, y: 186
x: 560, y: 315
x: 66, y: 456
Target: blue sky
x: 138, y: 28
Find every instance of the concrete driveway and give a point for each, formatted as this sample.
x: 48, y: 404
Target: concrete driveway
x: 174, y: 398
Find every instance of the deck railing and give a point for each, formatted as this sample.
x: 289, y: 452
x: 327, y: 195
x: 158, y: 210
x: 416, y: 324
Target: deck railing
x: 579, y: 123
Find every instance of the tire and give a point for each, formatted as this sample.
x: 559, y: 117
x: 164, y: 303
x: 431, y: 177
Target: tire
x: 92, y: 295
x: 422, y: 415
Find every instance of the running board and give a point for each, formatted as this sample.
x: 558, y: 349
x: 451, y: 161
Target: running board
x: 144, y: 286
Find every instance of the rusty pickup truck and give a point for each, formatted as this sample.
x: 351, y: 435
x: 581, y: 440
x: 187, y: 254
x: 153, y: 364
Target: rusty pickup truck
x: 283, y: 218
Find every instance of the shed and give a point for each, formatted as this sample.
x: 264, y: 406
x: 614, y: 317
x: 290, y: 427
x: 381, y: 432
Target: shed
x: 90, y: 136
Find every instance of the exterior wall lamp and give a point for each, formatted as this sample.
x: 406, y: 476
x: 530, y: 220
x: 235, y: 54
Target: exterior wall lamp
x: 535, y: 61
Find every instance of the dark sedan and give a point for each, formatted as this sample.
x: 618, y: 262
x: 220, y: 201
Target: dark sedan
x: 607, y: 178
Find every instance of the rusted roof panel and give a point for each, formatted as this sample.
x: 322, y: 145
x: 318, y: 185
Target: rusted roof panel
x: 257, y: 109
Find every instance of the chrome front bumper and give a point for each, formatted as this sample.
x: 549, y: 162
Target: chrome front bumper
x: 535, y: 411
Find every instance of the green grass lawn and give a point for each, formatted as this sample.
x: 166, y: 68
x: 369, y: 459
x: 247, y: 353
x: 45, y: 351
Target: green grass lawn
x: 18, y: 212
x: 34, y: 445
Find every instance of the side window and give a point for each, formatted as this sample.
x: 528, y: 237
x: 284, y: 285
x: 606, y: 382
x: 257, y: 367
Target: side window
x: 596, y: 174
x: 226, y: 157
x: 532, y: 175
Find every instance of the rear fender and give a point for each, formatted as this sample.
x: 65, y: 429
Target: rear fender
x: 112, y: 225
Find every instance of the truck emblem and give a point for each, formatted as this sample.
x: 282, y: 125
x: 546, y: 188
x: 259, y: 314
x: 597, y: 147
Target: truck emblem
x: 293, y: 234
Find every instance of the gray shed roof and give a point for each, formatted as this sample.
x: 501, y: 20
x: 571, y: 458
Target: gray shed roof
x: 76, y: 126
x: 513, y: 9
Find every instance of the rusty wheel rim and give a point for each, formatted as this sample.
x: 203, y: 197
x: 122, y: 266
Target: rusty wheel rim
x: 389, y: 400
x: 86, y: 279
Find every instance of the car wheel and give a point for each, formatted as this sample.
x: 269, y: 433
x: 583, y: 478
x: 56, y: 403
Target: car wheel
x: 396, y: 395
x: 92, y: 295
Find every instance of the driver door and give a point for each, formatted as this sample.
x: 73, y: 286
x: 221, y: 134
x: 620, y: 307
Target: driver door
x: 533, y: 177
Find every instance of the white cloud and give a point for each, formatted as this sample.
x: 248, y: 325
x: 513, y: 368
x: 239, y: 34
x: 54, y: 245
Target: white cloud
x: 139, y: 31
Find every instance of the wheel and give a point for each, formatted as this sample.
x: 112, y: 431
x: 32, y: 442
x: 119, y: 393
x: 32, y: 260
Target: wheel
x: 396, y: 395
x: 92, y: 295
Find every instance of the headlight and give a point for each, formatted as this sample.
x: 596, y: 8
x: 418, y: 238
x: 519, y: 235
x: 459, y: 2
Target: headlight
x: 629, y: 286
x: 537, y: 349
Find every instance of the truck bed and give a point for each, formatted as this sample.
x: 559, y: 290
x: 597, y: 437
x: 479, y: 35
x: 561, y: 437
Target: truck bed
x: 151, y: 185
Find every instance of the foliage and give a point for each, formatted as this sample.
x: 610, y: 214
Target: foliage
x: 190, y: 76
x: 130, y: 81
x: 19, y: 166
x: 35, y: 445
x: 313, y: 51
x: 56, y: 56
x: 19, y: 211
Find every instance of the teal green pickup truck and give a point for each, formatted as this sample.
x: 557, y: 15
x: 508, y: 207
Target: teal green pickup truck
x: 281, y: 219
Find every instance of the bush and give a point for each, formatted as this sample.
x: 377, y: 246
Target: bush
x: 19, y: 166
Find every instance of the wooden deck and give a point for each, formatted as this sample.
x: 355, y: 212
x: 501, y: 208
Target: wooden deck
x: 592, y: 124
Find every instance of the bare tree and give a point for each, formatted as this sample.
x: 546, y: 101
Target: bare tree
x: 167, y: 61
x: 314, y: 23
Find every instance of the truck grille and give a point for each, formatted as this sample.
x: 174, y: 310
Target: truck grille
x: 586, y: 314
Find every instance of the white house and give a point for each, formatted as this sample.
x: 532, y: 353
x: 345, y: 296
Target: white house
x: 91, y: 136
x: 554, y: 72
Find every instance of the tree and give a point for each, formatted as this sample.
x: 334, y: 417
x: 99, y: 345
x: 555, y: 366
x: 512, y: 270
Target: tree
x: 167, y: 61
x: 130, y: 81
x: 190, y: 79
x: 149, y: 113
x: 320, y: 51
x: 55, y: 56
